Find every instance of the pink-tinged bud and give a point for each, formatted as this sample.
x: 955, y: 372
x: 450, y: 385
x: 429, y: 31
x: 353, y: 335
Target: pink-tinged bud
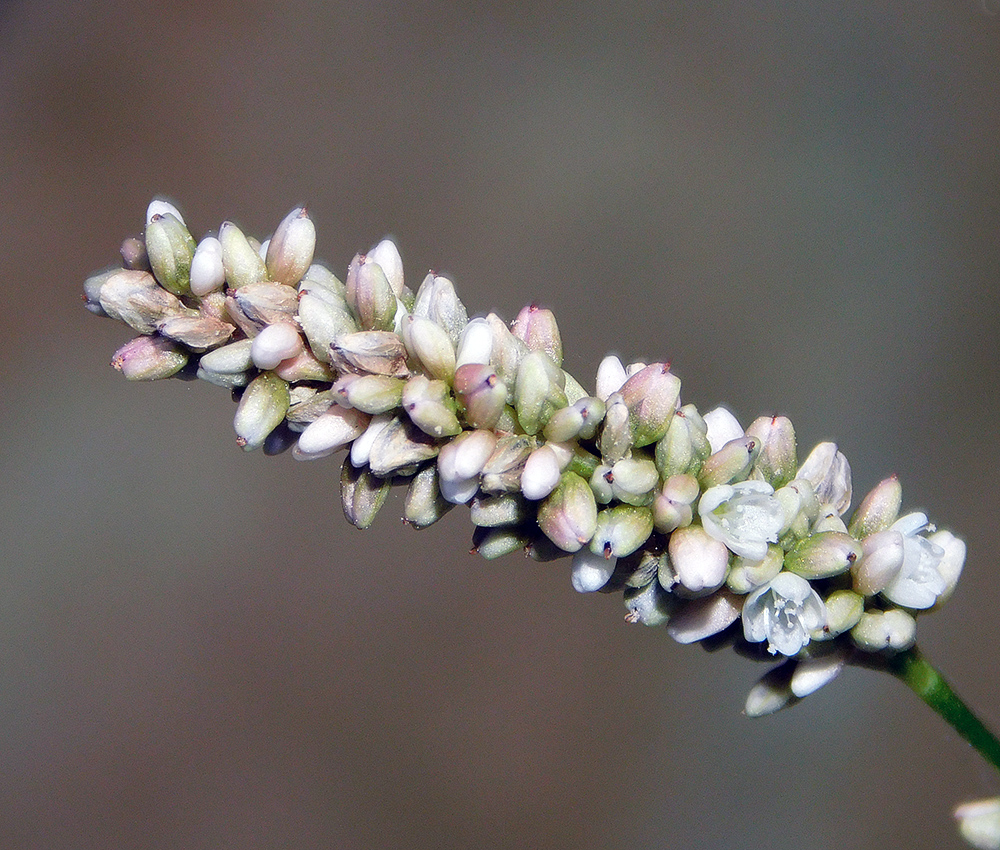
x: 262, y: 408
x: 304, y: 367
x: 429, y: 345
x: 672, y: 505
x: 621, y: 530
x: 730, y: 463
x: 430, y: 407
x: 823, y: 555
x: 149, y: 358
x: 134, y: 254
x: 698, y: 619
x: 370, y: 295
x: 685, y: 446
x: 241, y: 260
x: 536, y: 327
x: 568, y: 516
x: 591, y: 572
x: 538, y: 391
x: 481, y: 392
x: 476, y: 343
x: 424, y: 504
x: 336, y: 428
x: 699, y: 561
x: 170, y: 247
x: 651, y: 397
x: 134, y: 297
x: 502, y: 472
x: 830, y: 475
x: 879, y: 509
x: 361, y: 494
x: 290, y: 249
x: 777, y: 461
x: 541, y: 473
x: 386, y: 254
x: 436, y: 300
x: 880, y: 562
x: 198, y: 333
x: 377, y: 352
x: 506, y: 353
x: 275, y: 343
x: 207, y: 271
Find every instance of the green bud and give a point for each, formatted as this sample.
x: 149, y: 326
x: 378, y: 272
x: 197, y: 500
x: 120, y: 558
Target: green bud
x: 746, y: 575
x: 580, y: 419
x: 424, y: 504
x: 538, y: 391
x: 240, y: 259
x: 361, y: 494
x: 430, y: 407
x: 843, y: 611
x: 777, y: 461
x: 685, y: 445
x: 149, y: 358
x: 481, y: 393
x: 822, y: 555
x: 374, y: 393
x: 262, y: 408
x: 502, y: 510
x: 730, y: 463
x: 493, y: 543
x: 323, y: 319
x: 890, y: 631
x: 616, y: 430
x: 650, y: 605
x: 170, y: 248
x: 621, y: 530
x: 228, y: 366
x: 507, y: 351
x: 428, y: 344
x: 568, y: 515
x: 633, y: 480
x: 290, y: 251
x: 651, y: 396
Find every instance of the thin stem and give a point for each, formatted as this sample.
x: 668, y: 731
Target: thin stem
x: 911, y: 668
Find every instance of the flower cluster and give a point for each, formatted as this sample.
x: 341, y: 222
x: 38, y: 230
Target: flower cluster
x: 708, y: 527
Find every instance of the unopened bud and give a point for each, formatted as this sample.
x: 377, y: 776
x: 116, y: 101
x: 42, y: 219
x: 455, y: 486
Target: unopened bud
x: 290, y: 250
x: 538, y: 391
x: 568, y: 516
x: 507, y: 351
x: 207, y: 270
x: 424, y: 504
x: 672, y: 506
x: 436, y: 300
x: 149, y: 358
x: 616, y: 432
x: 730, y: 463
x: 275, y: 343
x: 430, y: 407
x: 843, y: 610
x: 776, y: 463
x: 399, y: 447
x: 879, y: 509
x: 228, y: 366
x: 699, y: 561
x: 746, y: 575
x: 541, y: 473
x: 198, y: 333
x: 580, y: 419
x: 610, y: 377
x: 498, y: 511
x: 685, y: 446
x: 333, y: 430
x: 621, y: 530
x: 428, y: 344
x: 830, y: 475
x: 822, y: 555
x: 893, y: 630
x: 493, y: 543
x: 536, y: 328
x: 240, y: 259
x: 651, y: 397
x: 698, y: 619
x: 262, y: 407
x: 633, y: 480
x: 361, y: 494
x: 502, y: 471
x: 134, y: 297
x: 170, y: 248
x: 161, y: 206
x: 134, y: 254
x: 650, y: 604
x: 370, y: 295
x: 880, y: 562
x: 377, y: 352
x: 481, y: 392
x: 591, y: 572
x: 475, y: 344
x: 386, y: 254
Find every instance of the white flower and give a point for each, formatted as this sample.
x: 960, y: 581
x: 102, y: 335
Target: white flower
x: 919, y: 581
x: 783, y: 612
x: 979, y: 822
x: 745, y: 516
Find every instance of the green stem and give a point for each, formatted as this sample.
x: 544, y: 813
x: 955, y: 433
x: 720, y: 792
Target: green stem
x: 911, y: 668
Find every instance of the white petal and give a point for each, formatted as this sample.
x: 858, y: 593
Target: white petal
x: 812, y: 673
x: 702, y: 618
x: 722, y: 427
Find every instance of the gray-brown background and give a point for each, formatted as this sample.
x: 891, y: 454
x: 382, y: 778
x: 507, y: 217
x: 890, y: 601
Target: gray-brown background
x: 796, y: 203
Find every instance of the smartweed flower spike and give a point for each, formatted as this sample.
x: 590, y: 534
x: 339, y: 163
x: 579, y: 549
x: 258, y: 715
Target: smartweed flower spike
x: 708, y: 527
x: 716, y: 532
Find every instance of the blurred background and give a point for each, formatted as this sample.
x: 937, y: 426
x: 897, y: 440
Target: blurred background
x: 795, y: 203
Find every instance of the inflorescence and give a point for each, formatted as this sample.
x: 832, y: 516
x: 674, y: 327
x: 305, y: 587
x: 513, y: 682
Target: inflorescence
x: 709, y: 528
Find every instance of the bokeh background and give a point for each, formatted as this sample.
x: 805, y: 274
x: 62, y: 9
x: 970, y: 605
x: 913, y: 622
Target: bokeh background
x: 796, y: 203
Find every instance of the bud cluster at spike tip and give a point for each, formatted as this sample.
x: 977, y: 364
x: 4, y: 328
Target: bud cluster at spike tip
x: 708, y: 527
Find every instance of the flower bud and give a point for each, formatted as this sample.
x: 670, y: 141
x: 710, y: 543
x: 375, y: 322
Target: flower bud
x: 649, y: 605
x: 476, y: 343
x: 880, y: 562
x: 134, y: 254
x: 92, y: 290
x: 541, y: 473
x: 481, y: 392
x: 600, y: 483
x: 323, y: 320
x: 843, y: 610
x: 538, y: 391
x: 377, y: 352
x: 580, y: 419
x: 386, y: 254
x: 400, y: 446
x: 651, y: 397
x: 616, y: 431
x: 499, y: 511
x: 208, y: 274
x: 242, y: 262
x: 336, y: 428
x: 436, y: 300
x: 374, y: 393
x: 227, y: 366
x: 830, y: 475
x: 568, y: 516
x: 424, y: 504
x: 491, y: 543
x: 170, y: 248
x: 461, y: 462
x: 722, y: 427
x: 951, y: 563
x: 811, y: 674
x: 591, y: 572
x: 672, y: 505
x: 361, y: 448
x: 699, y: 561
x: 633, y: 480
x: 507, y: 351
x: 290, y: 250
x: 133, y: 297
x: 361, y: 494
x: 428, y: 344
x: 536, y: 328
x: 776, y: 463
x: 685, y: 446
x: 979, y: 823
x: 773, y: 692
x: 262, y: 407
x: 149, y: 358
x: 161, y: 206
x: 746, y: 575
x: 730, y: 463
x: 275, y: 343
x: 369, y: 294
x: 698, y: 619
x: 303, y: 367
x: 198, y: 333
x: 893, y: 630
x: 621, y: 530
x: 610, y: 377
x: 822, y: 555
x: 318, y: 276
x: 430, y: 407
x: 502, y: 471
x: 879, y: 509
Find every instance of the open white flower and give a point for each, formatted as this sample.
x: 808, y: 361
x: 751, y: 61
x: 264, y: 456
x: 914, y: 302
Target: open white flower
x: 745, y: 516
x: 784, y: 612
x: 919, y: 581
